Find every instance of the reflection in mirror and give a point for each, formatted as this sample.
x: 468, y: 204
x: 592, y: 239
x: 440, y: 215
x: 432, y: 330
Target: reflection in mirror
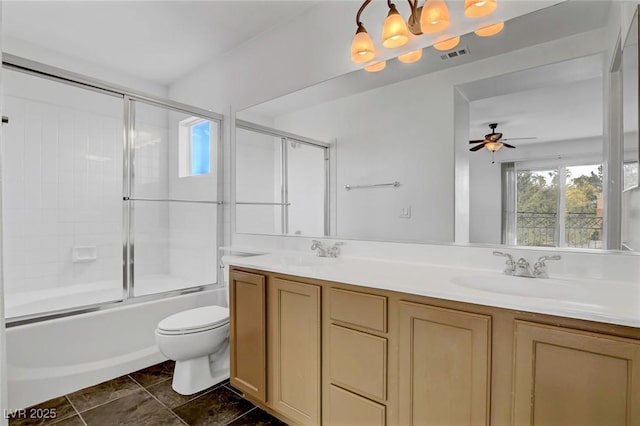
x: 552, y: 120
x: 281, y: 182
x: 412, y: 125
x: 631, y: 146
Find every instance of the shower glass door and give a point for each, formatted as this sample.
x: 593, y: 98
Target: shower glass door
x: 172, y: 208
x: 62, y: 192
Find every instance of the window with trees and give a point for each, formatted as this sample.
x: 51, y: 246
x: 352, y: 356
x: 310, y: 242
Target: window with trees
x: 558, y: 207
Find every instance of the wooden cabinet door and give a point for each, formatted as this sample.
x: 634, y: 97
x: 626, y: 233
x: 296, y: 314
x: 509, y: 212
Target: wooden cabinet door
x: 570, y: 377
x: 247, y: 333
x: 294, y: 350
x: 444, y: 372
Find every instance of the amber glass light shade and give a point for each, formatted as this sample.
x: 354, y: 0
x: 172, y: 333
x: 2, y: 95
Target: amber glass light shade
x: 493, y: 146
x: 447, y: 44
x: 410, y: 57
x: 479, y: 8
x: 375, y: 67
x: 490, y: 30
x: 394, y: 32
x: 362, y: 49
x: 435, y: 16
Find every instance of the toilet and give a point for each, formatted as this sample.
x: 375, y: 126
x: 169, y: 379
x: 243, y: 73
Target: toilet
x: 198, y: 341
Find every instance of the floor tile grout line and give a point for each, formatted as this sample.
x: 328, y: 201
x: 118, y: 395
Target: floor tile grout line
x: 219, y: 385
x: 241, y: 415
x: 163, y: 404
x: 76, y: 410
x: 111, y: 400
x: 234, y: 391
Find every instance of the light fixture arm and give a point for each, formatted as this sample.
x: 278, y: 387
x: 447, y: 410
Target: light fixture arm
x: 414, y: 19
x: 364, y: 5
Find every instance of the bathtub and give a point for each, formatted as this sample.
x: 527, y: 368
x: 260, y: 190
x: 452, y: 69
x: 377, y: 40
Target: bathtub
x: 55, y: 357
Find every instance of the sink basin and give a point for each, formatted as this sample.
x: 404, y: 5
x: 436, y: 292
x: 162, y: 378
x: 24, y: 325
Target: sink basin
x: 519, y: 286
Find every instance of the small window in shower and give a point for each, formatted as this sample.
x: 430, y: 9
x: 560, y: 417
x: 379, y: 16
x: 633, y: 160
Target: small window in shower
x: 195, y: 147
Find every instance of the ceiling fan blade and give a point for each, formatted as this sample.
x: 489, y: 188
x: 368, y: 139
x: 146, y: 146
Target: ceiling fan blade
x: 477, y: 141
x: 476, y: 148
x: 518, y: 139
x: 507, y: 145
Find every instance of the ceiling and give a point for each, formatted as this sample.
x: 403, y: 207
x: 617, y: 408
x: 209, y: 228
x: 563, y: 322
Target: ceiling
x: 556, y: 102
x: 135, y: 36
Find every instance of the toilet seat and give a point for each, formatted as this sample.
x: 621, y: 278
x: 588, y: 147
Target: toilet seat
x: 194, y: 320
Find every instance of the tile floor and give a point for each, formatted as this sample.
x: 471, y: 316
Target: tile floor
x: 145, y: 398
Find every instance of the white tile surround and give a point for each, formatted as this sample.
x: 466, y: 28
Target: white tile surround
x: 62, y: 188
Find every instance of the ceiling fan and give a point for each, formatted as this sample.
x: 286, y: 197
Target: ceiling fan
x: 493, y: 141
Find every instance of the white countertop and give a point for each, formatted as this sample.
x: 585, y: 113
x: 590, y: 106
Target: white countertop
x: 614, y: 302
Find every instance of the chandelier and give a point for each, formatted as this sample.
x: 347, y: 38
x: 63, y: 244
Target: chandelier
x: 430, y: 18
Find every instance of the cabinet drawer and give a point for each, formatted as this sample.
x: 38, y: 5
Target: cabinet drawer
x: 348, y: 409
x: 360, y: 309
x: 358, y: 361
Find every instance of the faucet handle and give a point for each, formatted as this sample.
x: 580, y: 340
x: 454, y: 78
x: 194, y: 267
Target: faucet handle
x: 554, y: 257
x: 540, y: 267
x: 334, y: 251
x: 510, y: 265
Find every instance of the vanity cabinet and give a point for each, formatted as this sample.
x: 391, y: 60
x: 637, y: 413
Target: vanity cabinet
x: 275, y: 344
x: 248, y: 333
x: 445, y: 359
x: 570, y: 377
x: 317, y: 352
x: 293, y: 340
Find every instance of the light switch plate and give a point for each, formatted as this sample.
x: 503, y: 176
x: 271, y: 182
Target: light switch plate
x: 405, y: 212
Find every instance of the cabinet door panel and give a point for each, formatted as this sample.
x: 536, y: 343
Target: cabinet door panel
x: 358, y: 361
x: 565, y: 376
x: 349, y: 409
x: 247, y: 334
x: 444, y: 366
x: 294, y: 350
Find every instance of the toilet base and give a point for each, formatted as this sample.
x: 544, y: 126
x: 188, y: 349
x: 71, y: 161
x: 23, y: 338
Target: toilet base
x: 195, y: 375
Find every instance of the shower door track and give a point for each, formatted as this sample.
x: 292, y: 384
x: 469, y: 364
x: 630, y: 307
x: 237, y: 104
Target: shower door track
x: 129, y: 97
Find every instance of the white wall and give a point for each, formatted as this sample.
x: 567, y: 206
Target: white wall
x: 78, y: 65
x: 378, y: 144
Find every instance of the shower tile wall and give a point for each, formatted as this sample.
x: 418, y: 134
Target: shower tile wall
x: 150, y: 180
x: 63, y: 208
x: 62, y: 184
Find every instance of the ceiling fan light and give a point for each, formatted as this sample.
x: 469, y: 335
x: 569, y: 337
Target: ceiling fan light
x: 479, y: 8
x: 489, y: 30
x: 362, y: 49
x: 394, y: 32
x: 447, y: 44
x: 410, y: 57
x: 493, y: 146
x: 376, y: 66
x: 434, y: 17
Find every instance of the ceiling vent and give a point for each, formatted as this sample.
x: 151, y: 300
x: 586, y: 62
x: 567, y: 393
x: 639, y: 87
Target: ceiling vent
x: 454, y: 53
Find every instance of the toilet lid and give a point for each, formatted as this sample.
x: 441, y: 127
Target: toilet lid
x: 199, y: 319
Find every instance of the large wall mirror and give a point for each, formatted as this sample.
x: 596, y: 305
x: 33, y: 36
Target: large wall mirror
x: 386, y: 156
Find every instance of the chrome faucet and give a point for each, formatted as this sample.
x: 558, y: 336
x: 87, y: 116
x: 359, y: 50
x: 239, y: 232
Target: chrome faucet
x: 540, y: 268
x: 523, y: 269
x: 509, y: 266
x: 324, y: 250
